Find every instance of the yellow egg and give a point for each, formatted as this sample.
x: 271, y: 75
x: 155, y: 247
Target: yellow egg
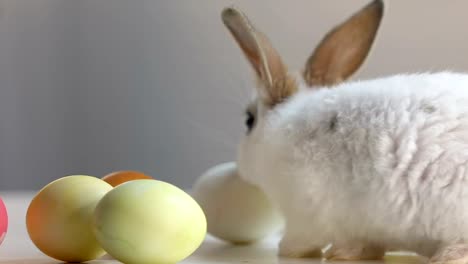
x: 59, y: 217
x: 149, y: 221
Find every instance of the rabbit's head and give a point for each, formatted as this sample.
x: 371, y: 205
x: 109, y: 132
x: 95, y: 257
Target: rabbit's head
x: 338, y: 55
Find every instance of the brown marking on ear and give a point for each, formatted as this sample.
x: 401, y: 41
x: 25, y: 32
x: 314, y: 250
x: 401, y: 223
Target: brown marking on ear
x: 344, y: 48
x: 275, y: 82
x: 282, y: 89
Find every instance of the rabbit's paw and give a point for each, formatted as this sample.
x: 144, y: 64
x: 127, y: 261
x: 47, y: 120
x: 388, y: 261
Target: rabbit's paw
x: 452, y: 254
x: 295, y: 248
x: 354, y: 251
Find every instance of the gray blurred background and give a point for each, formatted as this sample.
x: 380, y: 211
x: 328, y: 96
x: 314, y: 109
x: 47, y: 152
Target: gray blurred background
x: 94, y: 86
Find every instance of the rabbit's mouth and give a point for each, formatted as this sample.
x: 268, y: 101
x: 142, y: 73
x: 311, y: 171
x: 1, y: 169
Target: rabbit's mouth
x: 247, y: 160
x: 244, y: 163
x: 252, y: 160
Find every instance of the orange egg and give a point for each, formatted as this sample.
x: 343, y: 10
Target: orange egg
x: 119, y: 177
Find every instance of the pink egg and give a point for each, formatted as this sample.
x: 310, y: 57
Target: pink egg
x: 3, y: 221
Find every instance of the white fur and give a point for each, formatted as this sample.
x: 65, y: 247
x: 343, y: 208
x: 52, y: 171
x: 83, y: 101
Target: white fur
x: 392, y: 172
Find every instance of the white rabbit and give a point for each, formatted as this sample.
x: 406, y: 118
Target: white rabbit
x: 369, y: 166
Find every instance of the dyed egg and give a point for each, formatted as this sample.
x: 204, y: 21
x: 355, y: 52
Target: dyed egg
x: 3, y: 221
x: 236, y: 211
x: 59, y: 218
x: 149, y: 221
x: 119, y: 177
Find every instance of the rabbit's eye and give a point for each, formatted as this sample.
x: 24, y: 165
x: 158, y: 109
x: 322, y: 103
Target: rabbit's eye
x: 249, y: 121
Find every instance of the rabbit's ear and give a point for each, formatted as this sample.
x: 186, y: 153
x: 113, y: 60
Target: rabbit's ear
x: 344, y: 48
x: 276, y: 85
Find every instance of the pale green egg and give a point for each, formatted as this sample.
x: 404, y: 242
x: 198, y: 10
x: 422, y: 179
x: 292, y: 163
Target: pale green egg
x: 149, y: 221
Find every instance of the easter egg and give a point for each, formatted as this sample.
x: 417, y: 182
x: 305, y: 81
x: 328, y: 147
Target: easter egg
x: 3, y: 221
x: 236, y: 211
x: 149, y: 221
x: 58, y: 219
x: 119, y: 177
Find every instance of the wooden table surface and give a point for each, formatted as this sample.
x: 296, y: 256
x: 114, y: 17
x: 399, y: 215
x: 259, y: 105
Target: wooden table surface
x: 18, y: 248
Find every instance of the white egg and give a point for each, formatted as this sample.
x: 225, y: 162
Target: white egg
x: 236, y: 211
